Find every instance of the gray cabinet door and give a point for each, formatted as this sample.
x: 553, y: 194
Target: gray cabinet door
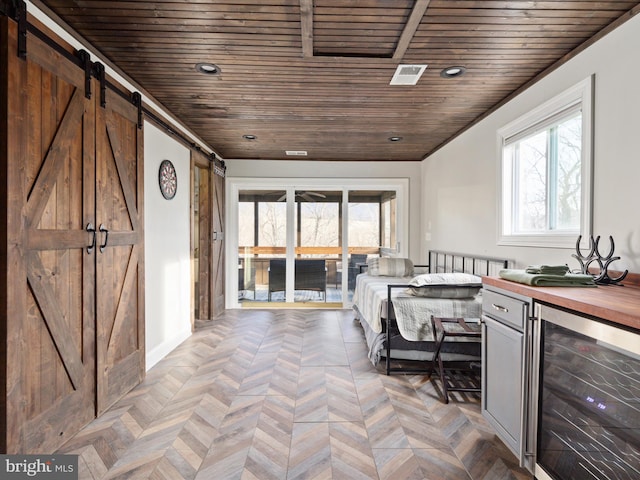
x: 502, y: 388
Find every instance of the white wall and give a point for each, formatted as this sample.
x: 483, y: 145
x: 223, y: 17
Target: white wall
x: 460, y: 181
x: 167, y: 247
x: 339, y: 171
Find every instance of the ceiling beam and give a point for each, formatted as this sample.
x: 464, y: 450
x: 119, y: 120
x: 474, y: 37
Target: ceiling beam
x: 306, y: 27
x: 410, y: 28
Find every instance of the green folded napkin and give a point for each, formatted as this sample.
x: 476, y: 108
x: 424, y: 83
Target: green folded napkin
x: 542, y: 280
x: 548, y: 269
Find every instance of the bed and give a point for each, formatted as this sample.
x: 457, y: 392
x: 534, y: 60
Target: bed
x: 395, y: 308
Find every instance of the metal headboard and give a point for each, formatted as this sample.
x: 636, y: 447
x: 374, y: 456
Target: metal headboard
x: 441, y: 261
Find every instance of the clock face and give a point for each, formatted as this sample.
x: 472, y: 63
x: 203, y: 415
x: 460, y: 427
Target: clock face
x: 168, y: 179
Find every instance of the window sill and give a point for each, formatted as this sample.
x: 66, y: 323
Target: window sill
x: 543, y: 241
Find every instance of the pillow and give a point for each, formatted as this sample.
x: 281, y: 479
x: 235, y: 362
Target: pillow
x: 445, y: 285
x: 389, y: 267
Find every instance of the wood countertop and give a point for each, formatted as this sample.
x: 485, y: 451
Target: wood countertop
x: 614, y: 303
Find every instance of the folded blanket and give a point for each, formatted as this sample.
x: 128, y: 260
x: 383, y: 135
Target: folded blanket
x: 542, y: 280
x: 548, y: 269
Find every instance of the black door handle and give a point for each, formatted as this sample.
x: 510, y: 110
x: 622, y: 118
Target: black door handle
x: 106, y: 237
x: 91, y: 229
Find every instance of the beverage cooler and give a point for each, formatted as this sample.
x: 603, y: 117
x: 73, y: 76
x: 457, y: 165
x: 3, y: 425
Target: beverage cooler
x: 588, y: 399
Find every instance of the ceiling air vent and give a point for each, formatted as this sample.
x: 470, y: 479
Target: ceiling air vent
x: 407, y: 74
x: 297, y: 153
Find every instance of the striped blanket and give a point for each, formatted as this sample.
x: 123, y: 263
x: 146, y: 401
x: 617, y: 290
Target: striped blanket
x: 412, y: 313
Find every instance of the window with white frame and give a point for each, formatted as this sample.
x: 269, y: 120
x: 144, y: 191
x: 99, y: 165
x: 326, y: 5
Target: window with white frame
x: 546, y: 172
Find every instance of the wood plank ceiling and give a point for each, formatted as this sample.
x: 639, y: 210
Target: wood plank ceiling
x: 313, y: 75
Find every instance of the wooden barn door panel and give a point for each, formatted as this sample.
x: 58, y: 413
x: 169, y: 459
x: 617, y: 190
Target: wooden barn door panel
x: 74, y: 314
x: 209, y: 241
x: 120, y: 259
x: 204, y: 243
x: 217, y: 251
x: 51, y: 328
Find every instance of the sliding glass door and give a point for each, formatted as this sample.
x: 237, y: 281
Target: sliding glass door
x: 305, y: 246
x: 371, y: 230
x: 318, y: 249
x: 262, y: 237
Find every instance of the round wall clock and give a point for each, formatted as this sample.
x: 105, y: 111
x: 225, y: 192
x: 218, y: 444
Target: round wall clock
x: 168, y: 179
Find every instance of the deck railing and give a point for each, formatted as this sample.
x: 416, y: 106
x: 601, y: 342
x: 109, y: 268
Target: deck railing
x: 254, y: 261
x: 328, y: 251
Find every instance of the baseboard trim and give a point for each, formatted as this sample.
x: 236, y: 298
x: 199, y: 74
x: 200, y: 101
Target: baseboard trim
x: 158, y: 353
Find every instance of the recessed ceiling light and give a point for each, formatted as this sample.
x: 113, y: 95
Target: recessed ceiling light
x: 249, y: 137
x: 395, y: 139
x: 207, y: 68
x: 451, y: 72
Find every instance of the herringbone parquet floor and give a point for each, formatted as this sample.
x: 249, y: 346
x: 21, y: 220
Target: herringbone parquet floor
x: 287, y: 394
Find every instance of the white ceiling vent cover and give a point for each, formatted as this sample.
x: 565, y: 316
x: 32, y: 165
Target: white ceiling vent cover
x: 407, y: 74
x: 297, y: 153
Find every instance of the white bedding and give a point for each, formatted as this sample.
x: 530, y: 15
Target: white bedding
x: 413, y: 314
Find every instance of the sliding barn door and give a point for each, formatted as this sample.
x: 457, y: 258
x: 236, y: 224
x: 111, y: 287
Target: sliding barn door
x: 73, y: 325
x: 203, y: 243
x: 120, y: 257
x: 209, y: 242
x: 50, y: 303
x: 217, y: 250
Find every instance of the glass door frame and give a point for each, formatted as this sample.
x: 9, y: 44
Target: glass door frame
x: 237, y: 184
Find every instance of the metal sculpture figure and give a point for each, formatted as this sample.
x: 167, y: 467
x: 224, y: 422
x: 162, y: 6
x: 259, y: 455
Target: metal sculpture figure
x: 603, y: 262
